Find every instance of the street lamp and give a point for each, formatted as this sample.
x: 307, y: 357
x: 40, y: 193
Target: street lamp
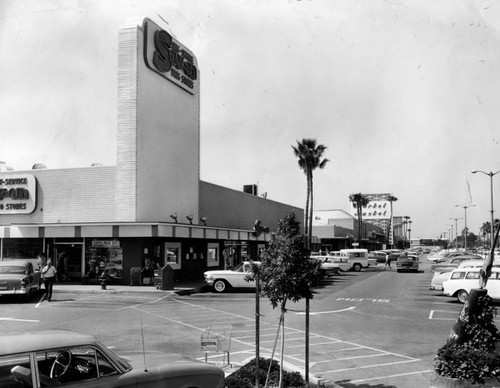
x: 409, y: 231
x: 491, y: 175
x: 465, y: 220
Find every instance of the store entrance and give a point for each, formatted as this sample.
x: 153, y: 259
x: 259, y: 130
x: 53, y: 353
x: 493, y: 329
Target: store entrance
x: 68, y: 258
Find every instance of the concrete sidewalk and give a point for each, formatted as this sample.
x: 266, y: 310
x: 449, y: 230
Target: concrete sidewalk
x: 180, y: 288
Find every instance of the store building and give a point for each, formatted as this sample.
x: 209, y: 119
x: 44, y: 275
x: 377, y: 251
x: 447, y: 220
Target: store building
x: 152, y: 204
x: 336, y: 229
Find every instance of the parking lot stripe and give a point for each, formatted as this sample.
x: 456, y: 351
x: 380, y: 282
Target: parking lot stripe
x: 369, y: 366
x: 391, y: 376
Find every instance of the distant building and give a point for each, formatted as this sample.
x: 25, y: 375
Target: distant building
x: 336, y: 229
x: 377, y: 212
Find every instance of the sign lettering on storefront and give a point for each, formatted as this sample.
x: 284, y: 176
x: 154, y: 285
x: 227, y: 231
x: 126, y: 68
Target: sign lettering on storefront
x: 105, y: 244
x: 17, y: 194
x: 166, y: 56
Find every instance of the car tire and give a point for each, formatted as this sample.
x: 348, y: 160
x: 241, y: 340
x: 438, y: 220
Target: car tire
x: 356, y: 267
x: 462, y: 296
x: 220, y: 285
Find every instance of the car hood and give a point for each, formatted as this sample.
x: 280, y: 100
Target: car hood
x: 153, y: 358
x: 159, y: 364
x: 220, y: 272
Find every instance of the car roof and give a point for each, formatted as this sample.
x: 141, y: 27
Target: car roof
x: 29, y: 341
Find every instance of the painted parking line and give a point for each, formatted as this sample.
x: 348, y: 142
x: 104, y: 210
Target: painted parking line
x: 325, y: 312
x: 18, y: 320
x: 391, y: 376
x: 443, y: 315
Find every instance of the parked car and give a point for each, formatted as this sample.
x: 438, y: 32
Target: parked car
x: 439, y: 277
x: 407, y: 262
x: 443, y: 256
x: 18, y: 277
x: 462, y: 280
x: 328, y: 266
x: 69, y: 359
x: 356, y: 259
x: 453, y: 262
x: 379, y: 256
x: 222, y: 280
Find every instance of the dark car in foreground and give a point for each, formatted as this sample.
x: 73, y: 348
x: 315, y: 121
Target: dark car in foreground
x: 18, y: 277
x: 68, y: 359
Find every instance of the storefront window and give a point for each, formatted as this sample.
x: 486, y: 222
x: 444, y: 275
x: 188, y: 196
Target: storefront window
x: 20, y: 248
x: 213, y: 255
x: 105, y: 255
x: 173, y: 255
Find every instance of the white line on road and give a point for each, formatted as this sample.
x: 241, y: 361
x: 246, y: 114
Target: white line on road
x: 369, y: 366
x: 431, y: 315
x: 328, y: 312
x: 18, y: 320
x: 389, y: 376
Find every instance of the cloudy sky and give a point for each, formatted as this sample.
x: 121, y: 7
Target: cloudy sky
x: 404, y: 93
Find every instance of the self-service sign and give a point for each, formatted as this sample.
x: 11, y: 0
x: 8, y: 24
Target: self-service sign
x: 169, y: 58
x: 17, y: 194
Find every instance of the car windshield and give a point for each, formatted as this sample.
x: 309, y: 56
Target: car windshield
x: 12, y: 269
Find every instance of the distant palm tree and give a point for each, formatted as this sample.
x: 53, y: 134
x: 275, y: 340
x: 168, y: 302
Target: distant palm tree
x: 391, y: 199
x: 360, y: 201
x: 310, y: 157
x: 486, y: 229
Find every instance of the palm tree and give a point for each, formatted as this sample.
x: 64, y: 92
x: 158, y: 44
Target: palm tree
x: 486, y: 229
x: 391, y: 199
x: 360, y: 201
x: 310, y: 156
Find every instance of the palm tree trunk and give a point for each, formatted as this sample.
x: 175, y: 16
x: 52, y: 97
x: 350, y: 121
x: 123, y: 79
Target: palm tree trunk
x: 306, y: 221
x: 360, y: 220
x: 310, y: 208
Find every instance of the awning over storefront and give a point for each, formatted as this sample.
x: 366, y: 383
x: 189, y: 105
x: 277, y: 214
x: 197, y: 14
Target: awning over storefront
x: 117, y: 230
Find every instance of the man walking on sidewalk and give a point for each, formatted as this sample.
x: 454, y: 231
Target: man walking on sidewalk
x: 49, y: 276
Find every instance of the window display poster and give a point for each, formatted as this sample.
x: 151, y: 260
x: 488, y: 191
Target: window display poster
x: 173, y: 255
x: 213, y: 255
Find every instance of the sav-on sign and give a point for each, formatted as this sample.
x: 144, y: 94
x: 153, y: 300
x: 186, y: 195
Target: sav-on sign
x: 169, y: 58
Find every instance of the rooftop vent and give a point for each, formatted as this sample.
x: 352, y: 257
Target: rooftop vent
x: 250, y: 189
x: 38, y: 166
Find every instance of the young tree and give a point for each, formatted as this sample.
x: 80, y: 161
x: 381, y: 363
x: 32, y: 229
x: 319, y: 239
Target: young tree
x: 360, y: 201
x: 285, y: 271
x: 310, y: 158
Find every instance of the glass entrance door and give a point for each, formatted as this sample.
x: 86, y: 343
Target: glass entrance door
x: 68, y: 261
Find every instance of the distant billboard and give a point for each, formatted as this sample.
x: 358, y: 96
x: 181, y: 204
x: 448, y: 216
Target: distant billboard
x: 379, y: 208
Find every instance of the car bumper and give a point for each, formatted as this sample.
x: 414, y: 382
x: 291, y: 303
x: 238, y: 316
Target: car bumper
x: 14, y: 291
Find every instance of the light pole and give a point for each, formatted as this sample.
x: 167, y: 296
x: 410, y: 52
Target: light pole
x: 491, y: 175
x: 409, y: 231
x: 405, y: 222
x: 456, y: 231
x: 465, y: 220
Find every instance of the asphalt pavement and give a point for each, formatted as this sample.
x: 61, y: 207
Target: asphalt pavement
x: 180, y: 288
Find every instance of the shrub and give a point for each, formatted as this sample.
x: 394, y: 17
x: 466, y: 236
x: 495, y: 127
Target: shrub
x: 245, y: 376
x: 474, y: 358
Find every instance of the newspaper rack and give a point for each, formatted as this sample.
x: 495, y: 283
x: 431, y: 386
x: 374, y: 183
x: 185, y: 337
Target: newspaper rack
x: 217, y: 339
